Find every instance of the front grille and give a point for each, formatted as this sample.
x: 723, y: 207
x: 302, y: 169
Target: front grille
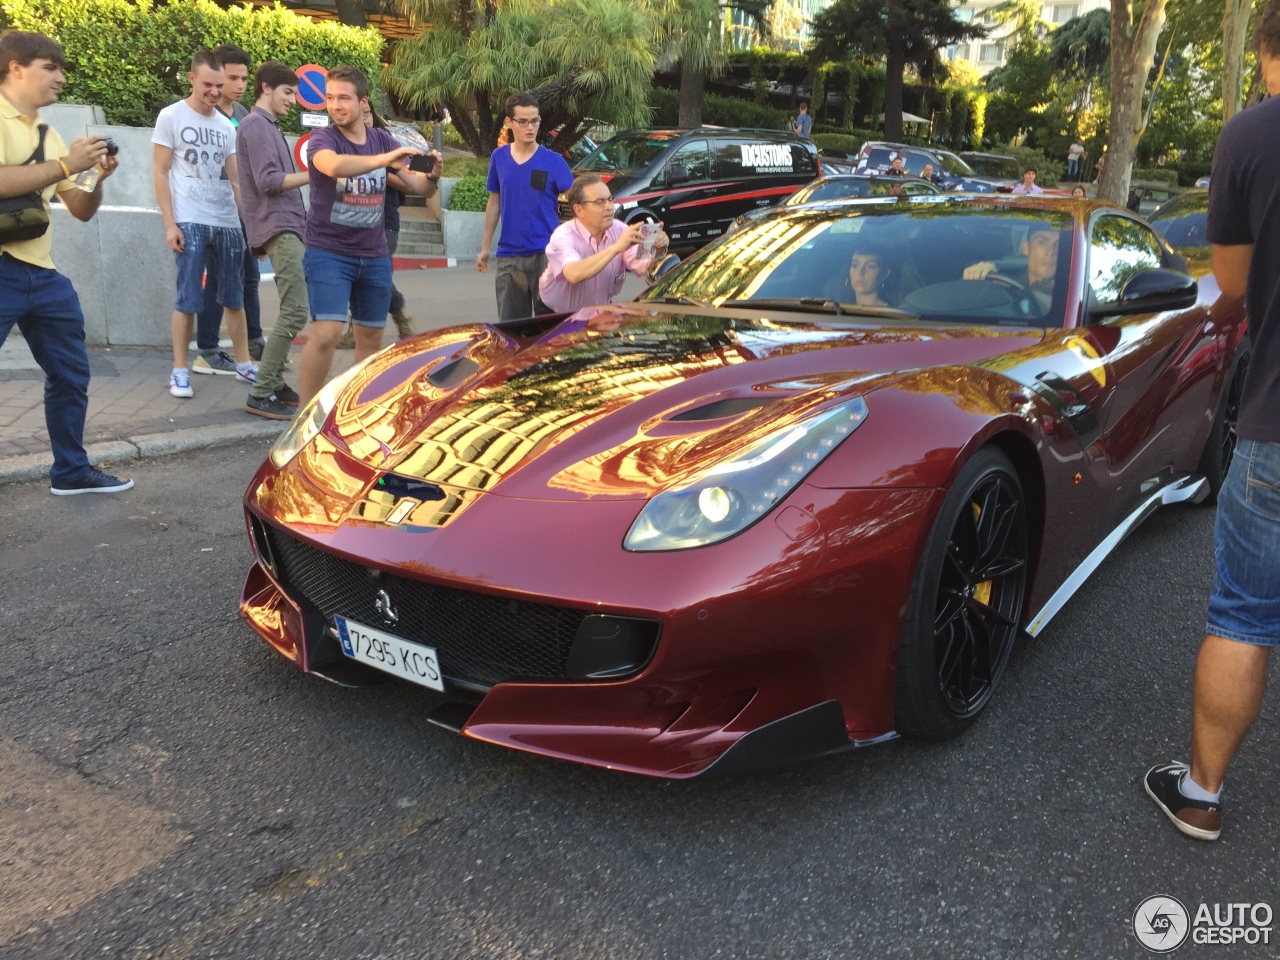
x: 479, y: 638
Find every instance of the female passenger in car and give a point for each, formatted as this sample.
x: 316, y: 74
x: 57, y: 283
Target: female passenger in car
x: 868, y: 274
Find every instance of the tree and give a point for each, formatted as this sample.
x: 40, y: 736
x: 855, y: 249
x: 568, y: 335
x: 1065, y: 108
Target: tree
x: 902, y: 31
x: 579, y: 57
x: 1133, y: 48
x: 1235, y: 32
x: 690, y: 33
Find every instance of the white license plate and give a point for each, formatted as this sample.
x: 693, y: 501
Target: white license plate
x: 385, y: 651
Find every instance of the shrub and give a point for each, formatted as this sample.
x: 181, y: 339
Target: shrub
x: 130, y: 57
x: 848, y: 144
x: 470, y: 194
x: 717, y: 110
x: 1157, y: 173
x: 1048, y: 172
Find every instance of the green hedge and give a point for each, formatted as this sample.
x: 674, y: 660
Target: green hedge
x: 1049, y: 172
x: 717, y: 110
x: 849, y: 143
x: 471, y: 194
x: 1156, y: 173
x: 130, y: 57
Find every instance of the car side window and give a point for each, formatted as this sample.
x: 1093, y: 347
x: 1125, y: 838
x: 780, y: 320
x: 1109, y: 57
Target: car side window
x: 802, y: 161
x: 695, y: 158
x: 916, y: 162
x: 1119, y: 248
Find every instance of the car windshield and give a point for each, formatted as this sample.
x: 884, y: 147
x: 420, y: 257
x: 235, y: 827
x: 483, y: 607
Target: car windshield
x: 954, y: 165
x: 1006, y: 168
x: 838, y: 188
x: 627, y: 152
x: 948, y: 260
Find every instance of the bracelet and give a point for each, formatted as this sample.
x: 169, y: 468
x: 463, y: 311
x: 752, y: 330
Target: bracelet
x: 66, y: 172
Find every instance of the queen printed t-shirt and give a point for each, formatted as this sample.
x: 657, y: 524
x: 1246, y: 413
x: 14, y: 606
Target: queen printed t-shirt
x: 528, y: 195
x: 346, y: 214
x: 198, y: 177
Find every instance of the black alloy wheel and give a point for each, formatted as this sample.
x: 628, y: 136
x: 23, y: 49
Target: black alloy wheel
x: 966, y: 604
x: 1220, y: 447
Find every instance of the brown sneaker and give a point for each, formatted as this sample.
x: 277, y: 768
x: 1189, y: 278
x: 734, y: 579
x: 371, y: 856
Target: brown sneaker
x: 1195, y: 818
x: 404, y: 323
x: 348, y: 339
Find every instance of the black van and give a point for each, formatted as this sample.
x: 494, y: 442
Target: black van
x: 697, y: 182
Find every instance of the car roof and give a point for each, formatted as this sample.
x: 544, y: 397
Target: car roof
x: 707, y: 130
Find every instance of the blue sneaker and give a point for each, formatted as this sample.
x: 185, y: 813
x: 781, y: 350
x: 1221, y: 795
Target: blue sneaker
x: 180, y: 386
x: 247, y: 376
x: 95, y: 482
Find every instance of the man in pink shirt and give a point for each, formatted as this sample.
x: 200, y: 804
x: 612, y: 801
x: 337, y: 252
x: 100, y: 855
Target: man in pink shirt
x: 588, y: 257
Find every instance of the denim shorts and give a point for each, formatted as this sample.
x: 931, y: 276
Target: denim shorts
x: 334, y: 281
x: 220, y: 250
x: 1245, y: 603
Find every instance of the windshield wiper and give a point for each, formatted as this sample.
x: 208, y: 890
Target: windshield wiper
x: 819, y: 305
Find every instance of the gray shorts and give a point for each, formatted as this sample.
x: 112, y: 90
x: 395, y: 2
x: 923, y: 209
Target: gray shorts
x: 516, y: 285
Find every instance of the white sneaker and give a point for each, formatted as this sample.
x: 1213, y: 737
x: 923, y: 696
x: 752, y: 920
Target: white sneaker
x: 180, y: 386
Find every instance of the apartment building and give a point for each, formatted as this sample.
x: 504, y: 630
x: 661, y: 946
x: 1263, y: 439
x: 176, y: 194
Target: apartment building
x: 991, y: 51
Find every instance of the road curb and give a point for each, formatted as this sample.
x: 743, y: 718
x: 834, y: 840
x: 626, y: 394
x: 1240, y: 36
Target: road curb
x: 35, y: 466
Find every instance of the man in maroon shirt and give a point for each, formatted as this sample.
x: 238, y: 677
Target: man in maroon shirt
x: 274, y: 222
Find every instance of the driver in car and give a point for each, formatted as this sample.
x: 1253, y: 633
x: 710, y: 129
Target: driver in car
x: 1041, y: 250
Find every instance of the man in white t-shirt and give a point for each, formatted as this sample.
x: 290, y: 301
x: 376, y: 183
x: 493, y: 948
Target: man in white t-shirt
x: 1074, y: 155
x: 197, y: 187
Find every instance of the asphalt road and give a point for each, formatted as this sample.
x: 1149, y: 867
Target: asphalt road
x: 171, y: 788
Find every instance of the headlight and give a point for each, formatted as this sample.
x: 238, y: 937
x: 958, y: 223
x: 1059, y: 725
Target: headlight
x: 311, y: 417
x: 735, y: 493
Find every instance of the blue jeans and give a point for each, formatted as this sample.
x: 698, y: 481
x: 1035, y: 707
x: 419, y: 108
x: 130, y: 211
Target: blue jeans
x: 1245, y: 603
x: 334, y: 281
x: 209, y: 319
x: 46, y: 309
x: 220, y: 250
x: 1073, y: 168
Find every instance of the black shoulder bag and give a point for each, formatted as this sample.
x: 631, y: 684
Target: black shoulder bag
x: 25, y: 217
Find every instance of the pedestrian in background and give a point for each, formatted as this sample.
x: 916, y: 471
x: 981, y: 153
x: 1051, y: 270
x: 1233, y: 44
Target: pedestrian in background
x: 1074, y: 153
x: 1244, y: 605
x: 275, y: 220
x: 525, y: 181
x: 588, y: 257
x: 212, y: 360
x: 346, y: 261
x: 803, y: 123
x: 199, y: 200
x: 1028, y: 186
x: 34, y: 164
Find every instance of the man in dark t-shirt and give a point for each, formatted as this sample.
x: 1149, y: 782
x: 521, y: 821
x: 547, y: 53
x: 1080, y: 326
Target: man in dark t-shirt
x: 346, y: 263
x: 1244, y: 606
x: 525, y: 182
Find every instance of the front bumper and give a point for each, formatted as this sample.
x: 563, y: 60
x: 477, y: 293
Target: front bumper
x: 754, y: 663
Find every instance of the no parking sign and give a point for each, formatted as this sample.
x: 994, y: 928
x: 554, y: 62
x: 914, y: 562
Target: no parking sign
x: 300, y: 151
x: 311, y: 84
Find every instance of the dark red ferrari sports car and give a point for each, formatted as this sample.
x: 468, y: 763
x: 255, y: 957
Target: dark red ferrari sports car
x: 809, y: 492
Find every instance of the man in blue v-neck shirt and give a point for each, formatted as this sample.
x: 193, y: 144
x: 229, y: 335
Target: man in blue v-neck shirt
x: 525, y: 181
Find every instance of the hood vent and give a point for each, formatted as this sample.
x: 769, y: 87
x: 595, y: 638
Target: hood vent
x: 722, y: 409
x: 452, y: 374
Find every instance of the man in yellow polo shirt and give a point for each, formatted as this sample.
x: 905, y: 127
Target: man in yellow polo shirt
x: 33, y: 294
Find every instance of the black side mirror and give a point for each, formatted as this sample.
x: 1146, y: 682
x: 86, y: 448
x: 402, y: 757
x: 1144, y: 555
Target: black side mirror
x: 1151, y: 291
x: 677, y: 173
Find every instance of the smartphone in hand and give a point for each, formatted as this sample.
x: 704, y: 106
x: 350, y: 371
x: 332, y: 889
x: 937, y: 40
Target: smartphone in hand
x: 422, y: 163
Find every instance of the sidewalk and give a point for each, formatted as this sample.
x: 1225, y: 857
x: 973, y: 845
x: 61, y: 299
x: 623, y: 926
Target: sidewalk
x: 131, y: 414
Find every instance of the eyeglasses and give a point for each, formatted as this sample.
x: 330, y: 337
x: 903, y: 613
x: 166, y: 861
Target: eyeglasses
x: 599, y: 203
x: 526, y: 123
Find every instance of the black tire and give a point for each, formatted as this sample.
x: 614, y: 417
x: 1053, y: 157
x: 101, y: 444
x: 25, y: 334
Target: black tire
x: 965, y: 608
x: 1219, y: 448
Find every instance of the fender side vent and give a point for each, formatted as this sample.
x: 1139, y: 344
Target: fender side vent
x: 453, y: 373
x: 720, y: 409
